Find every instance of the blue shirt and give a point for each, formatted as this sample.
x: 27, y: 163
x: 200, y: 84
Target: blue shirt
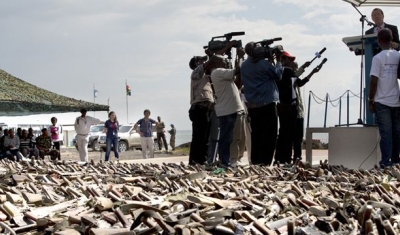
x: 146, y: 127
x: 112, y: 128
x: 259, y: 80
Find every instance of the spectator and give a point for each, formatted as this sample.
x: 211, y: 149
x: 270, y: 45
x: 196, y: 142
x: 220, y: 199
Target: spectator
x: 161, y: 134
x: 11, y: 145
x: 2, y: 148
x: 44, y: 144
x: 54, y: 131
x: 384, y: 98
x: 26, y: 145
x: 172, y: 132
x: 111, y: 128
x: 146, y: 134
x: 82, y: 128
x: 30, y: 133
x: 19, y: 132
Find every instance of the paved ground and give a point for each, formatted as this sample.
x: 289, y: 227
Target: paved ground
x: 160, y: 157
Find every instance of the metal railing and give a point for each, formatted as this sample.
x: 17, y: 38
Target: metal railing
x: 333, y: 102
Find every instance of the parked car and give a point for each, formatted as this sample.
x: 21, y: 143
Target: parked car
x: 129, y: 139
x: 94, y: 133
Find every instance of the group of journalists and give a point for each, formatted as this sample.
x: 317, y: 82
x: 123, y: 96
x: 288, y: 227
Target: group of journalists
x: 237, y: 107
x: 233, y: 109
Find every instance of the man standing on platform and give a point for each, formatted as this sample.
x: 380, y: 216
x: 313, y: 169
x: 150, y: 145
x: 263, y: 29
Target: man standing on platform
x: 377, y: 16
x: 82, y: 128
x: 384, y: 98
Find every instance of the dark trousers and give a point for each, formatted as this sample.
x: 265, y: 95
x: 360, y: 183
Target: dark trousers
x: 226, y: 125
x: 287, y: 126
x: 57, y: 146
x: 213, y: 138
x: 298, y: 138
x: 13, y: 154
x: 264, y: 128
x: 159, y: 137
x: 200, y: 133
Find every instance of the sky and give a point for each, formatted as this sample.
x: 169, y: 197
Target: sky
x: 69, y: 46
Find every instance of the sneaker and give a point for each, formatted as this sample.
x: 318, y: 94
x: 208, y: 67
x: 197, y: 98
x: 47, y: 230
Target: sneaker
x: 219, y: 171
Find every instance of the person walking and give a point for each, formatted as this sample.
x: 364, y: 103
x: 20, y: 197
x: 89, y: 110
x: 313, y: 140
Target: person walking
x: 82, y: 128
x: 111, y: 128
x: 145, y: 130
x: 172, y: 132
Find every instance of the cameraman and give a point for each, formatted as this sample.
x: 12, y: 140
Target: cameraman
x: 259, y: 76
x: 202, y: 104
x: 228, y: 104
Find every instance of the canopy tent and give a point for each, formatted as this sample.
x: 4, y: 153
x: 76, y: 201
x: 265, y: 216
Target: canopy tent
x: 371, y: 3
x: 19, y: 98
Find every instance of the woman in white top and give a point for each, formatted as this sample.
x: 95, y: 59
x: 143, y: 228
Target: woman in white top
x: 54, y: 131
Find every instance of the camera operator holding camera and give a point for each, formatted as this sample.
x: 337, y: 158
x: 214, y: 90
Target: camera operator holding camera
x: 259, y: 76
x: 228, y: 103
x: 202, y: 104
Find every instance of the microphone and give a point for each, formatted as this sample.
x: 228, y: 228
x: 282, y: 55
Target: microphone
x: 235, y: 34
x: 318, y: 54
x: 322, y: 63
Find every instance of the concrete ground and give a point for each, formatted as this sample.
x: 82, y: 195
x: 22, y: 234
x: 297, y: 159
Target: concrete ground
x: 160, y: 157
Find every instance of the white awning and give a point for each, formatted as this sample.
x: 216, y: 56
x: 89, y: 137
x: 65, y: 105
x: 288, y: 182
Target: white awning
x: 371, y: 3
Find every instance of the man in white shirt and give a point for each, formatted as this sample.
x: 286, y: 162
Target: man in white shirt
x: 82, y: 128
x: 384, y: 100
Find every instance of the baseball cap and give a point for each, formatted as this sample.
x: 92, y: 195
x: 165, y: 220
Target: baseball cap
x: 193, y: 61
x: 286, y: 54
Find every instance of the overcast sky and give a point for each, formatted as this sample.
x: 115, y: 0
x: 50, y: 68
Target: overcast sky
x: 66, y: 46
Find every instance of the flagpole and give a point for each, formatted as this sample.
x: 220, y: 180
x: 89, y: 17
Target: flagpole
x: 94, y: 99
x: 126, y: 94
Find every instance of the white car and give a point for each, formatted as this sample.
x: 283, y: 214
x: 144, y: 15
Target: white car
x: 129, y: 139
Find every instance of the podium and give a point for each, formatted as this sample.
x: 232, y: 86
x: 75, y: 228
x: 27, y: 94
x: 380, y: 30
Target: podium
x: 370, y: 48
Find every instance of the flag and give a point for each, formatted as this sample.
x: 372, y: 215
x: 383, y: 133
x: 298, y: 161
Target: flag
x: 95, y: 92
x: 128, y: 90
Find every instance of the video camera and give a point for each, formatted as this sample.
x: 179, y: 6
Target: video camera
x: 216, y: 45
x: 262, y: 49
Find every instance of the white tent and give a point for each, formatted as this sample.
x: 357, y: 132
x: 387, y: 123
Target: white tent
x: 371, y: 3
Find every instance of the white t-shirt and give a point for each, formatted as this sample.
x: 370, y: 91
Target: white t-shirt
x: 228, y: 98
x: 384, y: 67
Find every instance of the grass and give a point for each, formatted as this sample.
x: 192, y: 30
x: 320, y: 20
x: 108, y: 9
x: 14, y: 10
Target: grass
x: 181, y: 151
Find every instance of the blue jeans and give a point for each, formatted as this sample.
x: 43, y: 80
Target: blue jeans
x: 226, y: 125
x: 114, y: 141
x: 388, y: 120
